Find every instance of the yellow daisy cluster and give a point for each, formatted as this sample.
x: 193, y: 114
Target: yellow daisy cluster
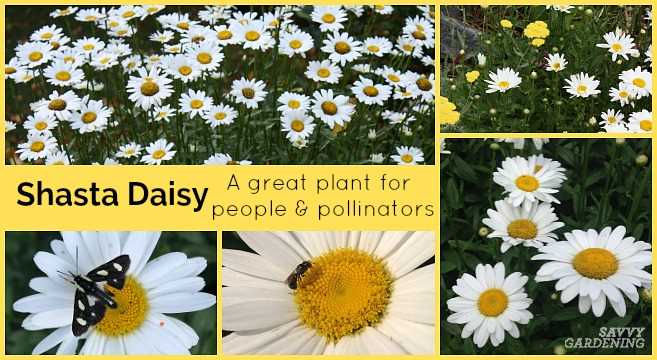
x: 537, y: 31
x: 447, y: 112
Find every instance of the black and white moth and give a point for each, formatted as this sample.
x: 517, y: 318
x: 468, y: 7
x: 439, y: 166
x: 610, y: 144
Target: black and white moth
x: 85, y: 314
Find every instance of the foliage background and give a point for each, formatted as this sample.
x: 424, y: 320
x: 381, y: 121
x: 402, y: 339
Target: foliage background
x: 20, y: 248
x: 550, y: 108
x: 259, y: 137
x: 604, y: 188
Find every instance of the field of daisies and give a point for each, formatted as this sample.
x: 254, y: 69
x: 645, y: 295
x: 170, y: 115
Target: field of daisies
x: 220, y: 85
x: 546, y: 69
x: 544, y: 243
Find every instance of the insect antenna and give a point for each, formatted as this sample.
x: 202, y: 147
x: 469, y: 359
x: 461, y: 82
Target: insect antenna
x: 65, y: 276
x: 77, y: 271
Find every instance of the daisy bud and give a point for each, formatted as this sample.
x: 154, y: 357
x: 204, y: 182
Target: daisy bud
x: 533, y: 75
x: 488, y: 42
x: 544, y: 100
x: 620, y: 141
x: 462, y: 52
x: 619, y: 62
x: 525, y: 111
x: 554, y: 296
x: 477, y: 97
x: 580, y: 8
x: 547, y: 89
x: 646, y: 295
x: 484, y: 231
x: 494, y: 146
x: 559, y: 350
x: 641, y: 160
x: 555, y: 49
x: 643, y: 31
x: 492, y: 111
x: 371, y: 134
x: 453, y: 87
x: 572, y: 27
x: 377, y: 158
x: 589, y: 12
x: 559, y: 102
x: 593, y: 121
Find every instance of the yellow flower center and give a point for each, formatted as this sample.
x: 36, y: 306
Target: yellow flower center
x: 57, y: 105
x: 293, y: 104
x: 623, y: 94
x: 646, y: 125
x: 522, y: 229
x: 407, y: 158
x: 595, y: 263
x: 90, y: 18
x: 219, y: 116
x: 152, y: 9
x: 69, y: 59
x: 492, y: 302
x: 204, y: 58
x: 370, y: 91
x: 196, y: 104
x: 504, y: 84
x: 425, y: 85
x: 248, y: 93
x: 185, y: 70
x: 198, y: 39
x: 149, y: 88
x: 408, y: 47
x: 41, y: 125
x: 158, y: 154
x: 183, y: 25
x: 224, y: 35
x: 639, y: 82
x: 393, y: 78
x: 373, y: 48
x: 581, y: 89
x: 323, y: 73
x: 10, y: 70
x: 47, y: 36
x: 128, y: 14
x: 89, y: 117
x: 419, y: 34
x: 342, y: 47
x: 122, y: 32
x: 88, y: 47
x: 328, y: 18
x: 295, y: 44
x: 527, y: 183
x: 252, y: 35
x: 556, y: 66
x: 35, y: 56
x: 344, y: 291
x: 37, y: 146
x: 297, y: 125
x: 104, y: 60
x: 611, y: 119
x: 131, y: 311
x: 113, y: 24
x: 63, y: 76
x: 616, y: 47
x: 329, y: 108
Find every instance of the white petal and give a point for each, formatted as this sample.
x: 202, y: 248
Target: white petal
x: 114, y: 346
x: 299, y: 341
x: 40, y: 302
x: 182, y: 302
x: 377, y: 343
x: 137, y: 343
x: 419, y: 280
x: 110, y: 245
x: 275, y: 250
x: 418, y: 248
x: 252, y: 264
x: 159, y: 267
x: 236, y: 294
x: 77, y: 251
x: 186, y: 285
x: 52, y: 318
x: 233, y: 278
x: 415, y: 338
x: 391, y: 241
x: 163, y: 340
x: 419, y: 307
x: 53, y: 339
x: 69, y: 346
x: 599, y: 305
x: 51, y: 265
x: 258, y: 314
x: 252, y: 342
x: 46, y: 285
x: 191, y: 267
x: 139, y: 246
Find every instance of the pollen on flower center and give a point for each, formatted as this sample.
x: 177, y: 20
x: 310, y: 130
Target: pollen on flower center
x: 41, y: 125
x: 503, y: 84
x: 149, y: 88
x: 370, y: 91
x: 252, y: 35
x: 407, y: 158
x: 57, y: 105
x: 88, y: 47
x: 343, y: 292
x: 323, y: 73
x: 204, y: 58
x: 328, y: 18
x: 645, y: 125
x: 158, y: 154
x: 595, y: 263
x: 35, y: 56
x: 224, y: 35
x: 88, y: 117
x: 342, y: 47
x: 37, y: 146
x: 418, y: 34
x: 185, y: 70
x: 10, y: 70
x: 219, y: 116
x: 522, y: 229
x: 196, y: 104
x: 295, y: 44
x: 638, y: 82
x: 293, y: 104
x: 130, y: 312
x: 581, y: 89
x: 492, y: 302
x: 393, y: 78
x: 616, y: 47
x: 248, y: 93
x: 527, y: 183
x: 373, y: 48
x: 63, y: 76
x: 425, y: 85
x: 329, y: 108
x: 297, y: 125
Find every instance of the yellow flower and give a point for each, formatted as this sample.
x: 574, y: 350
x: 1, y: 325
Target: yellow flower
x: 538, y: 42
x: 537, y: 29
x: 447, y: 112
x: 471, y: 76
x: 506, y: 24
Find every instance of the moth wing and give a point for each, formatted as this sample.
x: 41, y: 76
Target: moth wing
x: 96, y: 313
x: 113, y: 271
x: 80, y: 323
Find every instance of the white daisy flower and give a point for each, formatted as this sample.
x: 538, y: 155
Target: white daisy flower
x: 58, y: 158
x: 383, y: 9
x: 181, y: 68
x: 291, y: 101
x: 60, y: 106
x: 47, y: 33
x: 196, y: 35
x: 253, y: 35
x: 341, y: 48
x: 648, y: 54
x: 610, y: 118
x: 639, y: 81
x: 127, y: 12
x: 295, y: 42
x: 93, y: 116
x: 224, y: 159
x: 419, y: 85
x: 384, y: 303
x: 63, y: 12
x: 555, y: 62
x: 149, y: 88
x: 207, y: 55
x: 15, y: 68
x: 9, y: 126
x: 38, y: 146
x: 526, y: 181
x: 297, y: 124
x: 33, y: 54
x: 619, y: 127
x: 329, y: 18
x: 563, y: 8
x: 640, y: 121
x: 40, y: 122
x: 248, y: 92
x: 194, y: 103
x: 490, y: 304
x: 63, y: 74
x: 392, y: 76
x: 176, y: 22
x: 408, y: 47
x: 225, y: 35
x: 419, y: 31
x: 622, y: 94
x: 443, y: 149
x: 408, y: 155
x: 131, y: 64
x: 324, y: 70
x: 582, y: 85
x: 104, y: 60
x: 88, y: 46
x: 597, y: 267
x: 481, y: 59
x: 519, y: 143
x: 517, y: 226
x: 168, y: 284
x: 90, y: 15
x: 394, y: 117
x: 377, y: 46
x: 158, y: 151
x: 220, y: 114
x: 377, y: 158
x: 129, y: 150
x: 502, y: 80
x: 367, y: 92
x: 162, y: 37
x: 619, y: 44
x: 331, y: 109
